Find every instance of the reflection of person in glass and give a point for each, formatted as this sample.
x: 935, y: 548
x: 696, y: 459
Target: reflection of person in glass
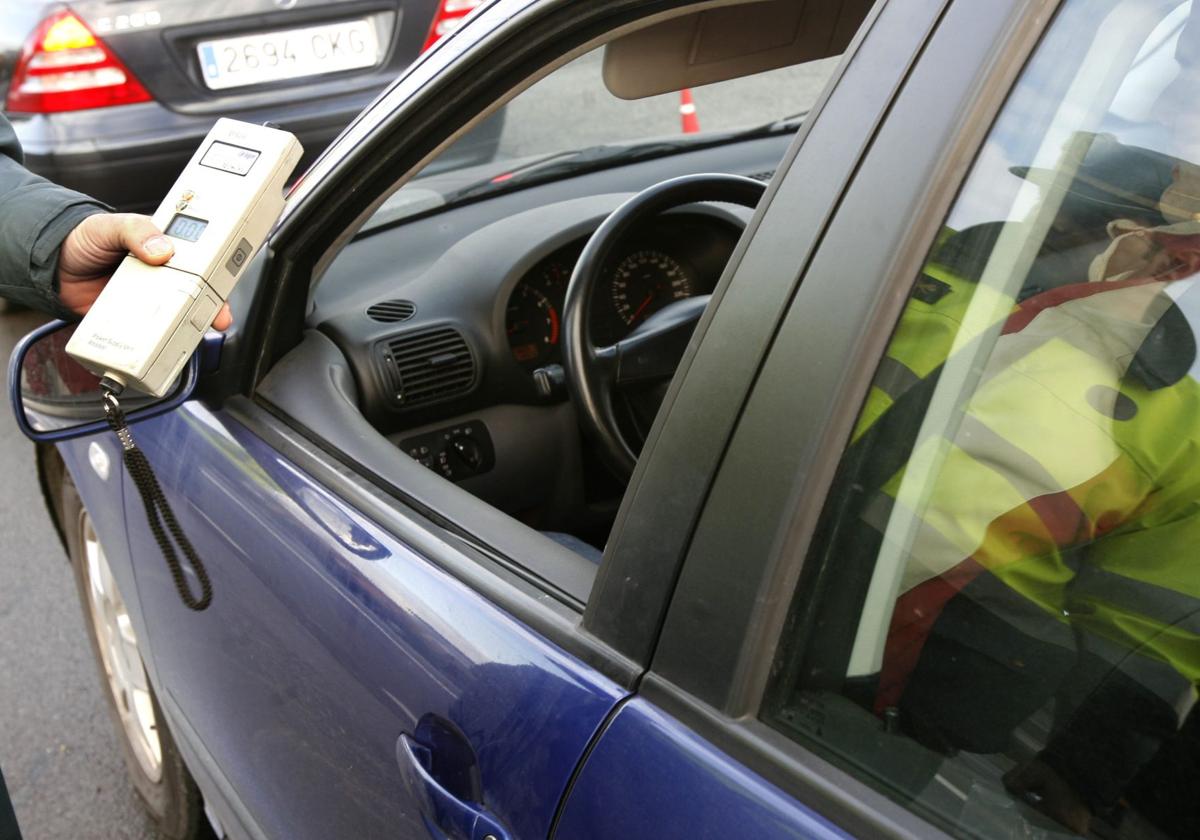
x: 1054, y: 553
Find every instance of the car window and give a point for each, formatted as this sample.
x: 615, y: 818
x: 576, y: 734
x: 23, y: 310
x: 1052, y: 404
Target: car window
x: 998, y: 622
x: 570, y: 122
x: 451, y: 309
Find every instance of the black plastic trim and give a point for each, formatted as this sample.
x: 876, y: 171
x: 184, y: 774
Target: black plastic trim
x: 905, y: 185
x: 50, y: 469
x: 910, y: 178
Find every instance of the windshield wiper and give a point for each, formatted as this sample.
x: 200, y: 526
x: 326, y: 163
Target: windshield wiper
x: 784, y: 124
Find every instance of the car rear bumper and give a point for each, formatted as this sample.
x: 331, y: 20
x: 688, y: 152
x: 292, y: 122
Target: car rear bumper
x: 128, y: 156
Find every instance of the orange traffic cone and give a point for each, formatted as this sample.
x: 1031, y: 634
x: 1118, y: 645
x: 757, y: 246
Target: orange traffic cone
x: 687, y: 112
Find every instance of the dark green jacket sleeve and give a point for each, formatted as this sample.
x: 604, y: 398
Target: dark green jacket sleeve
x: 35, y: 218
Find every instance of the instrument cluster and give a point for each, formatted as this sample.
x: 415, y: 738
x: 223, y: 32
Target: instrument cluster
x: 681, y: 257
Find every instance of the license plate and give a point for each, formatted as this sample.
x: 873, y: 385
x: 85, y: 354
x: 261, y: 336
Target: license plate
x: 288, y: 54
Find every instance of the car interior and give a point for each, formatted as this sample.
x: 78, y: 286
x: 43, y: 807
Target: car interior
x: 442, y: 326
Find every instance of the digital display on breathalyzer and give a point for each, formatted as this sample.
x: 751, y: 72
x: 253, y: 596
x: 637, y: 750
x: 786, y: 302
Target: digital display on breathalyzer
x: 229, y: 158
x: 186, y: 227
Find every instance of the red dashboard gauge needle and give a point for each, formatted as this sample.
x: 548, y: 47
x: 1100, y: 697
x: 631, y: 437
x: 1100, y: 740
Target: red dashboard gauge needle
x: 641, y: 308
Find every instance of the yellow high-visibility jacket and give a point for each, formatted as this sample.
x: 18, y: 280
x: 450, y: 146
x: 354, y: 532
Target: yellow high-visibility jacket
x: 1071, y: 472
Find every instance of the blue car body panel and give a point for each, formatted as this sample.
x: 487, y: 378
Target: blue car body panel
x: 108, y: 516
x: 327, y: 639
x: 650, y: 776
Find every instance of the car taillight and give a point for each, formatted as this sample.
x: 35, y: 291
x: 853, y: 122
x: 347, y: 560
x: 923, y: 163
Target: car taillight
x: 64, y: 67
x: 449, y: 17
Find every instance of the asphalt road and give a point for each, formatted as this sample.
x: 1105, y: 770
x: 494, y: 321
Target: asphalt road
x: 58, y: 748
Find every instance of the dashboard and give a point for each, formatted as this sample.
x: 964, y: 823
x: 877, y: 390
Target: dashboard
x: 443, y: 346
x: 438, y: 340
x: 423, y: 340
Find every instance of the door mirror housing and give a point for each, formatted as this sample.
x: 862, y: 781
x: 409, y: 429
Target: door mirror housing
x: 55, y: 398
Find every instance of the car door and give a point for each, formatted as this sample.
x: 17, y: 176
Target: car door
x: 365, y: 668
x: 858, y: 634
x: 328, y: 639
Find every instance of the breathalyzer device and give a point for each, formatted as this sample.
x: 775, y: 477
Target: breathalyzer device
x: 148, y: 320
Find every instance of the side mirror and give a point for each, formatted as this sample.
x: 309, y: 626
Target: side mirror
x: 56, y: 398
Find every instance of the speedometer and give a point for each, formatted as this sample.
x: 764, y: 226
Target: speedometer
x: 645, y: 282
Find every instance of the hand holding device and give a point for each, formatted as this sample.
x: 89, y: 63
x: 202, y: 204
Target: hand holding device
x: 147, y: 321
x: 93, y: 250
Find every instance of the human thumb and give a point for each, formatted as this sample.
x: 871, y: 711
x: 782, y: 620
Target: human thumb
x: 140, y: 237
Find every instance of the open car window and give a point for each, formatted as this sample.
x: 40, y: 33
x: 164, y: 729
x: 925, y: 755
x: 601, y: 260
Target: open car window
x: 445, y: 314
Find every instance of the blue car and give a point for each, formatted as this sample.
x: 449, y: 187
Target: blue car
x: 823, y: 469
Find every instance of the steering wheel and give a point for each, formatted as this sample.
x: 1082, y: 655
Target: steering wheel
x: 643, y: 362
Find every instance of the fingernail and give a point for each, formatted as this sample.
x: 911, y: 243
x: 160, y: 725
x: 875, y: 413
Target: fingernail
x: 157, y: 246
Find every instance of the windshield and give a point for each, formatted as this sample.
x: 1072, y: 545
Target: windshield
x: 569, y: 122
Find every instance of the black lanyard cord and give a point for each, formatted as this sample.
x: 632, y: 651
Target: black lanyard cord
x: 158, y: 510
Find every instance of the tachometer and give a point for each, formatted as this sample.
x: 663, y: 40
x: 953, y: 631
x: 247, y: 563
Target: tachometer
x: 645, y: 282
x: 532, y: 319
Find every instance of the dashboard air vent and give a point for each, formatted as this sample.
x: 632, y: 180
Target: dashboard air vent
x: 391, y: 311
x: 426, y: 366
